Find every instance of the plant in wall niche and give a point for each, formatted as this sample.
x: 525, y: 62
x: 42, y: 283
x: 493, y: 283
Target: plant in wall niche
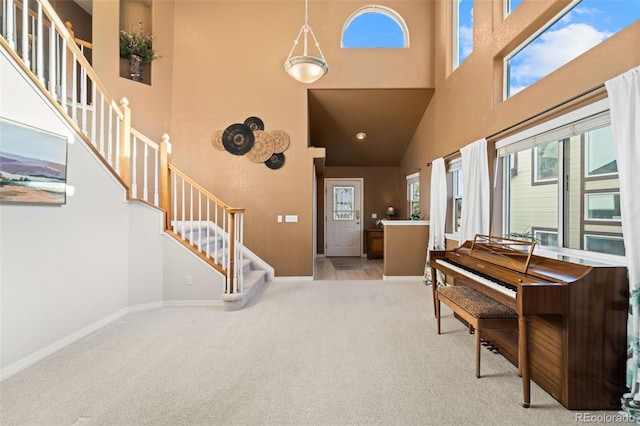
x: 415, y: 216
x: 136, y: 42
x: 136, y: 46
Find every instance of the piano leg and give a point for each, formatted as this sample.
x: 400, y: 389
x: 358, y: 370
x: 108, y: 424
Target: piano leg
x: 523, y: 361
x: 434, y: 287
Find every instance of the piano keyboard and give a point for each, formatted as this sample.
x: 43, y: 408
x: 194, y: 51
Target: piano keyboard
x: 503, y: 288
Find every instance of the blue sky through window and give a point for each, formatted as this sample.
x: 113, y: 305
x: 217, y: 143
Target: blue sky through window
x: 373, y: 29
x: 512, y: 5
x: 587, y: 24
x: 465, y: 29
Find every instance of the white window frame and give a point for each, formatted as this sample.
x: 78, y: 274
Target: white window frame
x: 579, y: 121
x: 412, y: 179
x: 383, y: 10
x: 455, y: 168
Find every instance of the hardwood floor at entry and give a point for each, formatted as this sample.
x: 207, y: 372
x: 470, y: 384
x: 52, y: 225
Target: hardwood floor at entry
x: 324, y: 270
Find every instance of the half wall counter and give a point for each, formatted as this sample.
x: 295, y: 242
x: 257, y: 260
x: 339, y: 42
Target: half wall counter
x: 405, y: 249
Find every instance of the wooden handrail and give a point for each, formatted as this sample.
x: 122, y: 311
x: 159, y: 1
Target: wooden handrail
x: 203, y: 190
x: 78, y: 41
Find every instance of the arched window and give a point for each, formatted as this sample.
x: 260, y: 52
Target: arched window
x: 375, y: 26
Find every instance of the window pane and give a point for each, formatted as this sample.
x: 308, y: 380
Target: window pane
x: 546, y: 238
x: 373, y: 29
x: 600, y: 154
x: 343, y: 203
x: 605, y: 244
x: 531, y: 205
x: 586, y: 25
x: 512, y: 4
x: 563, y: 209
x: 602, y: 206
x: 463, y: 26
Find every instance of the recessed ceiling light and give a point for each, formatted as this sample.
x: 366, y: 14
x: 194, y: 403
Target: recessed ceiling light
x: 361, y: 135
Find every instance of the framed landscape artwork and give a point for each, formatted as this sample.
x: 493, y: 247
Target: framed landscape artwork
x: 33, y: 165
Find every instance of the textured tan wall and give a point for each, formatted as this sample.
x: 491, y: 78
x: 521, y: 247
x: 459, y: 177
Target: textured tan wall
x: 466, y: 103
x: 228, y: 65
x: 222, y: 62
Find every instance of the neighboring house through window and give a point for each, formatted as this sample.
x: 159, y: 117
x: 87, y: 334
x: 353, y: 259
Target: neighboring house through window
x: 561, y: 183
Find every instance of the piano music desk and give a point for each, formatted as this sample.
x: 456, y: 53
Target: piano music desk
x: 478, y: 310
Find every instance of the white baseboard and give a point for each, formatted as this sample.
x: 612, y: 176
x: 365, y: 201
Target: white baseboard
x: 188, y: 303
x: 144, y: 307
x: 307, y: 278
x: 29, y: 360
x: 402, y: 278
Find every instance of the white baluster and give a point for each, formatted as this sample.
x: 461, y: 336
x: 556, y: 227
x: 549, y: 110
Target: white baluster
x: 83, y: 97
x: 174, y: 193
x: 52, y: 59
x: 208, y: 231
x: 93, y: 114
x: 63, y: 76
x: 25, y: 32
x: 109, y: 131
x: 33, y: 45
x: 74, y: 89
x: 156, y: 192
x: 134, y: 168
x: 117, y: 147
x: 101, y: 121
x: 40, y: 46
x: 182, y: 215
x: 10, y: 24
x: 145, y: 191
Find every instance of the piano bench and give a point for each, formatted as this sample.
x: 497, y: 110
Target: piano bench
x: 478, y: 310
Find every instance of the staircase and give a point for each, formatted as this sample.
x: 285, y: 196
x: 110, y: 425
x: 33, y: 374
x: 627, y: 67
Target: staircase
x: 212, y: 243
x: 48, y: 54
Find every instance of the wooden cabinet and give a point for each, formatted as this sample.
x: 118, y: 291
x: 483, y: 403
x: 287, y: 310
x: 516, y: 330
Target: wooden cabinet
x: 375, y: 243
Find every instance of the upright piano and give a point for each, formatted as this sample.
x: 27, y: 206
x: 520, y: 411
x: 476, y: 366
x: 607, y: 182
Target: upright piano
x: 571, y: 338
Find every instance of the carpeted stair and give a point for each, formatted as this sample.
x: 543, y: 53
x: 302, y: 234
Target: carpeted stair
x: 208, y: 238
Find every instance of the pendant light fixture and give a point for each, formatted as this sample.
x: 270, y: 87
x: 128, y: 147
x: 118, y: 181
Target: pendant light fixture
x: 305, y: 68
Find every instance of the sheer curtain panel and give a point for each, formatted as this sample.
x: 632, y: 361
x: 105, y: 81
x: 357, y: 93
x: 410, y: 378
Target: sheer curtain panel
x: 475, y: 180
x: 624, y: 99
x: 437, y: 210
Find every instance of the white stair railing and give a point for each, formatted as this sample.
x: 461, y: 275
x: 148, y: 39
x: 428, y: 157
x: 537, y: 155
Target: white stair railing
x: 47, y: 51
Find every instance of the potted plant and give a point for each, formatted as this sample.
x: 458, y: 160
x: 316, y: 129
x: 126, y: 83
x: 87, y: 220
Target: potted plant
x: 136, y: 46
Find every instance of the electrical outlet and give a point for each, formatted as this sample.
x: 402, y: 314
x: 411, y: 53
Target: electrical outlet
x: 188, y: 280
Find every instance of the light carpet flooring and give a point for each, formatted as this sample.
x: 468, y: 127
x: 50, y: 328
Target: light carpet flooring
x: 301, y: 353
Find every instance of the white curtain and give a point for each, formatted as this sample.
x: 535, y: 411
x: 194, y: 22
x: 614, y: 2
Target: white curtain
x: 438, y: 208
x: 437, y: 211
x: 475, y: 185
x: 624, y: 99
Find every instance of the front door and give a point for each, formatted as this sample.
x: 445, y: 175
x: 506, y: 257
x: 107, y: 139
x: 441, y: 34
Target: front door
x: 343, y: 227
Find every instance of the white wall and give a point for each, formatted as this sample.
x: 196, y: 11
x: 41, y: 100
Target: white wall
x: 68, y: 270
x: 62, y: 267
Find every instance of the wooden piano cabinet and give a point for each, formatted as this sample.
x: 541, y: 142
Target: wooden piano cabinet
x: 575, y: 317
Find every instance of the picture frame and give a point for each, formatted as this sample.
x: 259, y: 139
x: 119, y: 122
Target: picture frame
x: 33, y: 164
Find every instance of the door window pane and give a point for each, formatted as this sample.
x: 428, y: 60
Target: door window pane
x: 344, y: 203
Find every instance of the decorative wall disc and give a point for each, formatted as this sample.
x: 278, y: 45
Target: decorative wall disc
x: 238, y: 139
x: 254, y: 123
x: 281, y: 140
x: 262, y: 148
x: 216, y: 140
x: 275, y: 161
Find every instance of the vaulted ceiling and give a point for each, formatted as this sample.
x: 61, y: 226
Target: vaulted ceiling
x: 389, y: 117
